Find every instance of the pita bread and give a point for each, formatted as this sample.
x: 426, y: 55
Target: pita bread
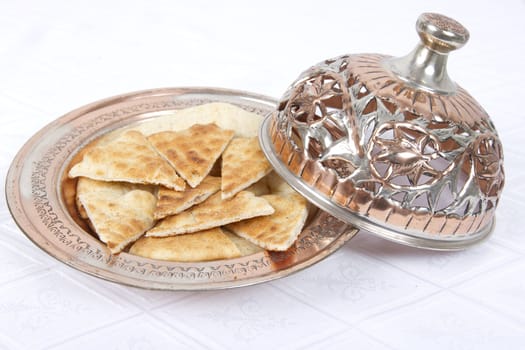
x: 224, y: 115
x: 243, y: 163
x: 192, y: 152
x: 211, y: 213
x: 277, y: 185
x: 127, y: 158
x: 81, y: 211
x: 118, y: 212
x: 171, y: 202
x: 245, y: 246
x: 279, y: 230
x: 259, y: 188
x: 200, y: 246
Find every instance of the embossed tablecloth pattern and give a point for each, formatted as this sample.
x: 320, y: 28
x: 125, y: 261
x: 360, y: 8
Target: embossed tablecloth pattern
x: 58, y: 55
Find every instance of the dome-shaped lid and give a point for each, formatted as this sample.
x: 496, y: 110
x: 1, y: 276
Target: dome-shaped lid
x: 392, y: 145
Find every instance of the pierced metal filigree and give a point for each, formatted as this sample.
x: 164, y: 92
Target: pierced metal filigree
x: 363, y: 138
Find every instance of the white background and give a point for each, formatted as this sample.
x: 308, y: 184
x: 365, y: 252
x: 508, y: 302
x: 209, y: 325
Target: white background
x: 58, y: 55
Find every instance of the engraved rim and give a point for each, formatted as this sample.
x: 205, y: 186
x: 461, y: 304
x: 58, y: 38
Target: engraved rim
x: 33, y: 196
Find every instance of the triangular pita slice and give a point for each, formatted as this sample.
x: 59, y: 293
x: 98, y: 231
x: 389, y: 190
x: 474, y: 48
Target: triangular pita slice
x: 118, y: 212
x: 279, y: 230
x: 127, y: 158
x: 245, y: 246
x: 170, y: 202
x: 224, y: 115
x: 199, y: 246
x: 192, y: 152
x: 211, y: 213
x: 83, y: 186
x: 259, y: 188
x: 277, y: 185
x: 243, y: 163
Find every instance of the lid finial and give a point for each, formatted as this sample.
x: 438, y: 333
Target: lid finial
x: 426, y: 66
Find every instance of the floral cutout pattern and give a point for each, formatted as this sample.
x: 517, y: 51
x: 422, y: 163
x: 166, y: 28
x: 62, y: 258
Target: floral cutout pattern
x: 409, y: 153
x: 345, y: 114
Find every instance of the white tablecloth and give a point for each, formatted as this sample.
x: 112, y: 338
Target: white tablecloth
x: 58, y: 55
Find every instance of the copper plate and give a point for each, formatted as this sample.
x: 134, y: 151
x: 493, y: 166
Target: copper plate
x: 34, y: 191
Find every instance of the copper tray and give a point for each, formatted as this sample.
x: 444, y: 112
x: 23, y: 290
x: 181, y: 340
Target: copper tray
x: 35, y: 188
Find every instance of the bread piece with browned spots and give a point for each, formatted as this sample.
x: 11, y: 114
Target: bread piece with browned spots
x: 199, y: 246
x: 118, y: 212
x: 172, y: 202
x: 213, y: 212
x: 279, y: 230
x: 192, y: 152
x: 243, y: 164
x: 129, y: 157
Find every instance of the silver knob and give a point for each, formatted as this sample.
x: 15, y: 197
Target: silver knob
x: 441, y: 33
x: 426, y: 66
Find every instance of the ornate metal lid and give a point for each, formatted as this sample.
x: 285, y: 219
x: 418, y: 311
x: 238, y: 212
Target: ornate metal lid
x: 392, y: 145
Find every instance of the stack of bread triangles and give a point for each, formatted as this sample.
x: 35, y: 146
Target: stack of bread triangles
x: 156, y: 193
